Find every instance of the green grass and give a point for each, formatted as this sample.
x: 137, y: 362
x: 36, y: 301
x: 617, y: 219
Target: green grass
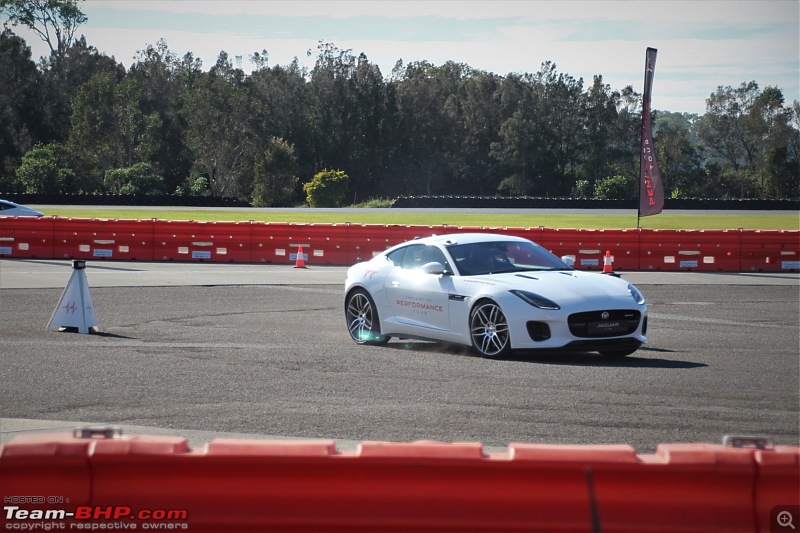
x: 699, y: 221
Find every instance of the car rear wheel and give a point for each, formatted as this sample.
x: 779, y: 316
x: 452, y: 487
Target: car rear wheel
x: 362, y: 319
x: 489, y: 330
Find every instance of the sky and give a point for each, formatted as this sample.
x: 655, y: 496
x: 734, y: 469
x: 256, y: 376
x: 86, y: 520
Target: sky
x: 702, y: 44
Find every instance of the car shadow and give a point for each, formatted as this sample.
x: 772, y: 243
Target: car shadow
x: 567, y: 359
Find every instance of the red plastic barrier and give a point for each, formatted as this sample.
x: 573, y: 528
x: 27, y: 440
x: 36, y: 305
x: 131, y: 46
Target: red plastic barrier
x: 778, y: 485
x: 694, y: 250
x: 232, y: 240
x: 328, y: 244
x: 83, y: 238
x: 322, y: 244
x: 184, y: 240
x: 770, y: 251
x: 346, y: 244
x: 588, y: 246
x: 28, y: 237
x: 277, y: 242
x: 252, y: 485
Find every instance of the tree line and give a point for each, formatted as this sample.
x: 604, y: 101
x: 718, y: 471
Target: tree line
x: 79, y: 121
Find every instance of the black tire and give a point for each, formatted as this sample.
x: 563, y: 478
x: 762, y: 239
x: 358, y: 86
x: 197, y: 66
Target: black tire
x: 489, y: 330
x: 362, y: 320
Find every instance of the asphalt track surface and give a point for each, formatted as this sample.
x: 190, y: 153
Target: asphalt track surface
x: 253, y: 350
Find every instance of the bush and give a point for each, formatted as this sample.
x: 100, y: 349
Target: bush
x: 327, y: 189
x: 45, y: 169
x: 582, y: 189
x: 615, y: 187
x: 141, y: 178
x: 375, y: 203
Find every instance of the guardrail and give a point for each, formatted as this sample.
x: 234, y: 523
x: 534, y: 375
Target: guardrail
x: 345, y: 244
x: 108, y: 481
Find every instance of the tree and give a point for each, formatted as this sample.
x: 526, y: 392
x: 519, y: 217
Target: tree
x: 601, y: 115
x: 517, y: 141
x: 560, y: 121
x: 54, y: 21
x: 141, y: 178
x: 161, y: 77
x: 428, y: 136
x: 63, y: 77
x: 46, y: 170
x: 280, y: 106
x: 218, y: 132
x: 479, y: 118
x: 739, y: 131
x: 108, y: 127
x: 678, y: 156
x: 20, y: 115
x: 327, y: 189
x: 275, y: 179
x: 348, y: 102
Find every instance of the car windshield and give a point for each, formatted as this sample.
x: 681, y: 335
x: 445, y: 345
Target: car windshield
x: 476, y: 259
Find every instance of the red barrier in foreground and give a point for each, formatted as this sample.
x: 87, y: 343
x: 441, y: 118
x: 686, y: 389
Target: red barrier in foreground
x: 251, y: 485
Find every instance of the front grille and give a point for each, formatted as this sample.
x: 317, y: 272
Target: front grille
x: 593, y: 325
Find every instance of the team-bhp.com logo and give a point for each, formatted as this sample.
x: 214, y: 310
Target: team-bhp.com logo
x: 93, y: 517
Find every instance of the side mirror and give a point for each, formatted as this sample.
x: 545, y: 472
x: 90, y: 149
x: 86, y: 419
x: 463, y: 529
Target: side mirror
x: 569, y: 260
x: 434, y: 267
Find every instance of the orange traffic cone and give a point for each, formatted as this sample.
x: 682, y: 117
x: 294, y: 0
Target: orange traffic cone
x: 607, y: 264
x: 300, y: 262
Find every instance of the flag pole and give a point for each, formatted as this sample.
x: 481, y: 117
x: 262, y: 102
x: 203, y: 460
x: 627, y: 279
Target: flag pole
x: 651, y: 189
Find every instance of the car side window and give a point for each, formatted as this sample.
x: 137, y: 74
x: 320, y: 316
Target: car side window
x: 420, y: 254
x: 396, y: 257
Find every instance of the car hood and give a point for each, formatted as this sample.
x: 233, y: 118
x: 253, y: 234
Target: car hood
x: 563, y: 286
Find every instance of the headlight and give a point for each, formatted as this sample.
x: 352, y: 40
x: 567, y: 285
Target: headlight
x: 535, y: 300
x: 638, y: 296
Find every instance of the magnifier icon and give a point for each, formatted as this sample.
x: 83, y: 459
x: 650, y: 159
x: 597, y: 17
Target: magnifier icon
x: 785, y: 519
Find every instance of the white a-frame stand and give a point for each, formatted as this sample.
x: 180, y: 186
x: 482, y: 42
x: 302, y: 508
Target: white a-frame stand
x: 75, y: 309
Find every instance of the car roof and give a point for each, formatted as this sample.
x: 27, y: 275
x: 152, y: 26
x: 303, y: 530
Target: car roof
x: 469, y: 238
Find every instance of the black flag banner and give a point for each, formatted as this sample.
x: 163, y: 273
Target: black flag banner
x: 651, y: 190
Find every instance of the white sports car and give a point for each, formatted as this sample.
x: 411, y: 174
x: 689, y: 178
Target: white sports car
x: 11, y: 209
x: 496, y: 293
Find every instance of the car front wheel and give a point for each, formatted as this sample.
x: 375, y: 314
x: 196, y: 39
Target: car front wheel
x: 362, y: 319
x: 489, y: 330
